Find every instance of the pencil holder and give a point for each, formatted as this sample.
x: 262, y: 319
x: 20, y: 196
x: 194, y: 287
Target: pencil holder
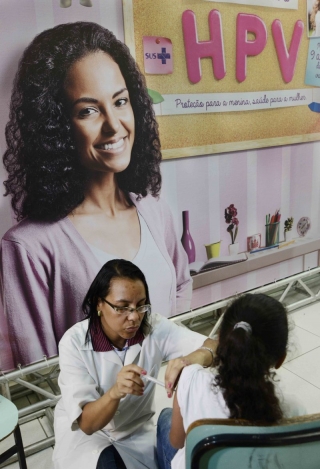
x: 272, y: 234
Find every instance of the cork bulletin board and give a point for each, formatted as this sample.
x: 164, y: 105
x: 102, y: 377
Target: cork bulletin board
x: 253, y: 102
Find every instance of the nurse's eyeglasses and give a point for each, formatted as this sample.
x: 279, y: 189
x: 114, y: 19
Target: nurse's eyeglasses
x: 126, y: 310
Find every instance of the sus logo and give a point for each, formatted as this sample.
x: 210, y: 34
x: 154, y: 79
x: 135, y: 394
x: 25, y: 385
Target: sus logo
x: 158, y: 58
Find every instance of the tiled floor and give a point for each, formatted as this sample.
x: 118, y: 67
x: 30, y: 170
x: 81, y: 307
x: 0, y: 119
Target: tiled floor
x: 300, y: 376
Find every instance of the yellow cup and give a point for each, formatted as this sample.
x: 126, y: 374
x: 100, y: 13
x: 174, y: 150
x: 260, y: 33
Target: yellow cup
x: 213, y: 249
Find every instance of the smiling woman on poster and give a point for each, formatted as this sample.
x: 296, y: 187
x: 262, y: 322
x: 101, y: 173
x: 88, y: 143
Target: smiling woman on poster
x: 83, y: 161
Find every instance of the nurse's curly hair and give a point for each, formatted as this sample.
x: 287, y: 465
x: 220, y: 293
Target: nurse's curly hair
x: 45, y: 178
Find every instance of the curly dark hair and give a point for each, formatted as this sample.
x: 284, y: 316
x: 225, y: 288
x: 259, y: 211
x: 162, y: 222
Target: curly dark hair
x: 243, y: 359
x: 100, y: 287
x: 45, y: 178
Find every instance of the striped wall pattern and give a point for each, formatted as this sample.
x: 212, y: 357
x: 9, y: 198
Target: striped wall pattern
x: 257, y: 182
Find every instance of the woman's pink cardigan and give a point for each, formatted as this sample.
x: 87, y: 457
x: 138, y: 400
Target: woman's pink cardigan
x: 46, y: 270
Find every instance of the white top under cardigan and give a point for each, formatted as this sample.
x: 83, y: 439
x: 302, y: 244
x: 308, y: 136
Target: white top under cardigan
x: 86, y: 375
x: 151, y: 262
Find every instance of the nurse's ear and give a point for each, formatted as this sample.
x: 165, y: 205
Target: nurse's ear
x: 99, y: 304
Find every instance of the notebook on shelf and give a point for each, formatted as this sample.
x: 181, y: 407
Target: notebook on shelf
x: 216, y: 263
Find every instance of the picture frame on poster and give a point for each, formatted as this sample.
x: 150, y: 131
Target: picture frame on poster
x: 253, y: 242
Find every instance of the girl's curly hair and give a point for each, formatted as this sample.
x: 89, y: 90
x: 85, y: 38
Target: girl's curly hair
x: 243, y: 359
x: 45, y: 178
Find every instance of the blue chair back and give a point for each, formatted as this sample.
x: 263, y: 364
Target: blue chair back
x: 238, y: 444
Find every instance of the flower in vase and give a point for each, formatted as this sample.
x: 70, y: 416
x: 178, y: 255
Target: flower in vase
x: 288, y: 224
x: 230, y: 215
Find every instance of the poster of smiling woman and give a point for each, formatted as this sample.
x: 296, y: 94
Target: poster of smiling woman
x: 81, y: 147
x: 81, y: 156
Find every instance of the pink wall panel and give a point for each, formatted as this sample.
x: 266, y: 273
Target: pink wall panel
x: 233, y: 286
x: 233, y: 190
x: 13, y: 40
x: 192, y: 195
x: 269, y: 174
x: 301, y: 180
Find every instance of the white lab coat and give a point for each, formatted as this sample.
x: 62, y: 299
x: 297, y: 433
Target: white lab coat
x: 86, y: 375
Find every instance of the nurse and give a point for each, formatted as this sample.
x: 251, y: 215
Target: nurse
x: 104, y: 418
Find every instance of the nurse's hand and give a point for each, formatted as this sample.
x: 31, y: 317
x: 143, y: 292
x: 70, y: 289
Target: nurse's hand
x: 97, y: 414
x: 128, y: 382
x: 173, y: 372
x: 203, y: 356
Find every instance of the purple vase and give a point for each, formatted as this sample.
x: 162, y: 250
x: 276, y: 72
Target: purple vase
x: 186, y: 240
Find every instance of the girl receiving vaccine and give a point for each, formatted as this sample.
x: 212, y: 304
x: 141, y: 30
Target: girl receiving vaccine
x: 252, y: 343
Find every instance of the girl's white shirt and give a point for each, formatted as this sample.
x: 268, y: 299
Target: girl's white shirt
x: 198, y: 398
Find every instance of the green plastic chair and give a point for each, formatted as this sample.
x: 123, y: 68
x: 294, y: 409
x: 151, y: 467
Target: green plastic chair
x: 9, y: 424
x: 238, y: 444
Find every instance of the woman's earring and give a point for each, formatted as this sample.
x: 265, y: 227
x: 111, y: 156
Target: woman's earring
x: 99, y: 312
